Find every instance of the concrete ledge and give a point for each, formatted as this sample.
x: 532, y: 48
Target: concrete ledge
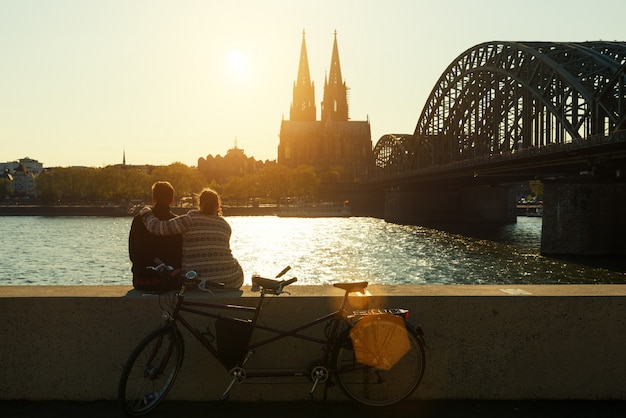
x: 484, y: 342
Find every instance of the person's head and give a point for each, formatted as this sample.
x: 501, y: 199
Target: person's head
x: 162, y: 193
x: 209, y: 202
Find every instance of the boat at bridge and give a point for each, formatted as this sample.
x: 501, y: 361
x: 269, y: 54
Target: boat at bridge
x: 323, y: 210
x: 533, y: 210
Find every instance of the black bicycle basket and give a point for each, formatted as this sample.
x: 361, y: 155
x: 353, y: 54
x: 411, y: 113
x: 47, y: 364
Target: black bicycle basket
x: 232, y: 339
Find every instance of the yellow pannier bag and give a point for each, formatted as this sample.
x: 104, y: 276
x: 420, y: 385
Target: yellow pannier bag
x: 380, y: 340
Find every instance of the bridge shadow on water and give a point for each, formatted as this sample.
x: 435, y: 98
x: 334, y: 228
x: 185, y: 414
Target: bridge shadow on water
x: 616, y: 263
x: 526, y: 234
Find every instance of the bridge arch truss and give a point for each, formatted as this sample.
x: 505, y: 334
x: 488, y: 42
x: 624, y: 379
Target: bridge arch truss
x: 506, y: 97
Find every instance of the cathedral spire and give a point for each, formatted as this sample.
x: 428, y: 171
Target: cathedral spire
x: 335, y: 103
x: 303, y: 104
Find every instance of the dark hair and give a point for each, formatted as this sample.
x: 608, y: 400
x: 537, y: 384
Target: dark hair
x: 163, y: 192
x: 210, y: 202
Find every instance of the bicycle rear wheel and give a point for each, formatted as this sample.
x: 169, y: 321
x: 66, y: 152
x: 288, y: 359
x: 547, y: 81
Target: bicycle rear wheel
x: 150, y: 371
x: 376, y: 386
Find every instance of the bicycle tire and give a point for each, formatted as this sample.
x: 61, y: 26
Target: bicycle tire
x: 374, y: 386
x: 151, y: 371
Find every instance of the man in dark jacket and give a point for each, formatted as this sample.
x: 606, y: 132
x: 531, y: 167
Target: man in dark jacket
x: 144, y: 247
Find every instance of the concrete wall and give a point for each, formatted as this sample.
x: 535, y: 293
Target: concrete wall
x: 484, y: 342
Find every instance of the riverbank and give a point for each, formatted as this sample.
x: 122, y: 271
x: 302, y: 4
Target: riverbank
x: 44, y: 210
x: 115, y: 211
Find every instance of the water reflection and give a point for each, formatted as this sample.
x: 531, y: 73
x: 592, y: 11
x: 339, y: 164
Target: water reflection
x: 526, y: 234
x: 321, y: 250
x: 327, y: 250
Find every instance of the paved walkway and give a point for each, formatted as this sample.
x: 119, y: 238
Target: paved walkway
x: 413, y: 409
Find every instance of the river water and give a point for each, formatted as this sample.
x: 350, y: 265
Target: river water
x: 94, y: 251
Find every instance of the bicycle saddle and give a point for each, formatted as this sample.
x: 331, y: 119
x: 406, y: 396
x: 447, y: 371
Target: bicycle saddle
x: 352, y: 287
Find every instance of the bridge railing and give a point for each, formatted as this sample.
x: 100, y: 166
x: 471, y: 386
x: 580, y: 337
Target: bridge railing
x: 396, y: 171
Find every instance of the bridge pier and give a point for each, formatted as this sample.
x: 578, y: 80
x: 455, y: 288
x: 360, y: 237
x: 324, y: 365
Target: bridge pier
x: 465, y: 204
x: 584, y: 218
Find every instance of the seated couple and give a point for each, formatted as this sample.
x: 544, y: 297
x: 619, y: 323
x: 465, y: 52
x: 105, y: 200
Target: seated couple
x: 198, y: 240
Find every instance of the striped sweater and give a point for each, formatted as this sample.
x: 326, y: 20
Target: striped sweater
x: 206, y: 245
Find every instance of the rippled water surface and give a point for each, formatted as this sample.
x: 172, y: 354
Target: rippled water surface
x: 94, y: 251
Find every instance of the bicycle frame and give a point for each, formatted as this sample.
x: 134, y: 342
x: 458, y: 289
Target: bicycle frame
x: 213, y: 310
x: 386, y: 375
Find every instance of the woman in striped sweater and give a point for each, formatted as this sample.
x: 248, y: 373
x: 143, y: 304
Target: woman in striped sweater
x: 206, y: 240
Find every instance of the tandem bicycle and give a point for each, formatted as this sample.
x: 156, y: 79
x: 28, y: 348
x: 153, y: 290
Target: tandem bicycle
x: 375, y: 356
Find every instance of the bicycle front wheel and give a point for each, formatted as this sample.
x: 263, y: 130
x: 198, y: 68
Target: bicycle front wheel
x: 150, y: 371
x: 379, y: 386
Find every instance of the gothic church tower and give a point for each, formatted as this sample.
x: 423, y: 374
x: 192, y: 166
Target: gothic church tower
x: 335, y: 103
x: 335, y: 146
x: 303, y: 104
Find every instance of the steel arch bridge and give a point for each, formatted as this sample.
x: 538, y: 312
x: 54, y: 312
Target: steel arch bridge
x: 504, y: 98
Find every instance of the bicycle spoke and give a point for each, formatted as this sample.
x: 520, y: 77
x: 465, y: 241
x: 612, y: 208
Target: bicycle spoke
x: 376, y: 386
x: 150, y: 371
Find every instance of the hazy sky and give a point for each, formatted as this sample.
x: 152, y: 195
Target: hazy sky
x: 81, y: 81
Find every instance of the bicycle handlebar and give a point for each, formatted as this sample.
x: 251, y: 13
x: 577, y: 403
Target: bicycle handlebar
x: 271, y: 285
x: 160, y: 266
x: 165, y: 269
x: 283, y: 271
x: 290, y: 281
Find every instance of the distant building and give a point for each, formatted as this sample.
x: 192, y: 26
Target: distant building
x: 33, y: 166
x: 23, y: 182
x: 333, y: 143
x: 23, y: 173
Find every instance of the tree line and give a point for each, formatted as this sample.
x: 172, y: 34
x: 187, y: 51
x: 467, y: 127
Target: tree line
x: 238, y: 179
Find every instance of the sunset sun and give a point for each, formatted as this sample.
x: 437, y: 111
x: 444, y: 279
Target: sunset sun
x: 237, y: 65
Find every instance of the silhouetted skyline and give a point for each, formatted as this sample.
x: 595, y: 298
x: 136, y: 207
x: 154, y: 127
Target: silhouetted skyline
x: 82, y: 82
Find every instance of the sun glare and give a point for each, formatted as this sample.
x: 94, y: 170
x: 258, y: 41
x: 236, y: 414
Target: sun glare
x: 237, y: 64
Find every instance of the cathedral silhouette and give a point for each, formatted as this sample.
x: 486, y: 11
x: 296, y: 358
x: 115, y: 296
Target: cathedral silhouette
x: 334, y: 145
